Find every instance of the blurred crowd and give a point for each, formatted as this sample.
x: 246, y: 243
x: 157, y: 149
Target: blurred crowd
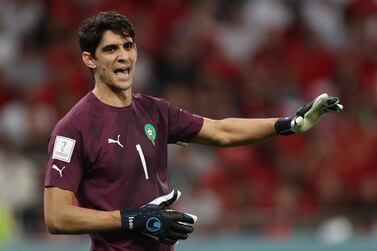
x: 215, y: 58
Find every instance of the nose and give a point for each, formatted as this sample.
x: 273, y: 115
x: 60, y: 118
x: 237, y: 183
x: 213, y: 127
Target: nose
x: 124, y: 55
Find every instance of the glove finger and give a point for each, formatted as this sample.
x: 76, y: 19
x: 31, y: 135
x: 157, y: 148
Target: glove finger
x: 166, y: 200
x: 177, y: 236
x: 182, y: 228
x: 332, y: 100
x: 333, y: 108
x: 318, y: 104
x: 333, y: 104
x: 175, y: 194
x: 181, y: 217
x: 194, y: 217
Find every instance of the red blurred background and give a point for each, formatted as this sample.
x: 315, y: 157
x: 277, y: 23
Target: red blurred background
x: 215, y: 58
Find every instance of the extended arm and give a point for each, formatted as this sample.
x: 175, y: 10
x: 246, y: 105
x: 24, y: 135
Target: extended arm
x: 236, y: 132
x: 62, y: 216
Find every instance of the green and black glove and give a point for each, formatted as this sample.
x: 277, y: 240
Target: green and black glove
x: 157, y: 221
x: 308, y: 115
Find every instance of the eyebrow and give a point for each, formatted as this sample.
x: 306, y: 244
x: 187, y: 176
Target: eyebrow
x: 116, y: 45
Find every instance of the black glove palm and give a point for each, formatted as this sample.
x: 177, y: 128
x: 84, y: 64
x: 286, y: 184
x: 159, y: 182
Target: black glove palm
x: 158, y: 222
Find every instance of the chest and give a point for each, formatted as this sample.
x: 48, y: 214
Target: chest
x: 127, y: 148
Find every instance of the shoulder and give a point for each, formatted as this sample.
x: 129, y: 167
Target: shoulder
x: 149, y: 101
x: 140, y: 97
x: 76, y: 118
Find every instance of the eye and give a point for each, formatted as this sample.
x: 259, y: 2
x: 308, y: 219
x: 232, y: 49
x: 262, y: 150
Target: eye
x: 128, y: 45
x: 109, y: 49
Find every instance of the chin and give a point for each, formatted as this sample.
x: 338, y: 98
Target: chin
x: 121, y: 86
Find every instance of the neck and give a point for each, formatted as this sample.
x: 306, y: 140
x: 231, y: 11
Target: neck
x: 115, y: 98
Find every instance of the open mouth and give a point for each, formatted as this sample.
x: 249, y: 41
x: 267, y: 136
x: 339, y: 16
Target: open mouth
x: 122, y: 72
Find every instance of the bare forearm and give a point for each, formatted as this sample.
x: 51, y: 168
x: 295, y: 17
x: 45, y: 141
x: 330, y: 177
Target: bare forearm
x: 77, y: 220
x: 235, y: 131
x: 246, y: 131
x: 63, y: 216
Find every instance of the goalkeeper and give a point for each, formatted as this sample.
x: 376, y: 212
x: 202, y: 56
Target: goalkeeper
x: 106, y: 173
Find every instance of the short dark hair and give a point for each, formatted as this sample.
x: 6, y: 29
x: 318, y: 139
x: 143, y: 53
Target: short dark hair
x: 92, y: 29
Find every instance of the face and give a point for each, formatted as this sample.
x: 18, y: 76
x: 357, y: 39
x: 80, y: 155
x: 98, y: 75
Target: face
x: 115, y: 61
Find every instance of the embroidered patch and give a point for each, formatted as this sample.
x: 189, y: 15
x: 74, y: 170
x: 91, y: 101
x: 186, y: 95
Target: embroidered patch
x: 63, y: 148
x: 150, y: 131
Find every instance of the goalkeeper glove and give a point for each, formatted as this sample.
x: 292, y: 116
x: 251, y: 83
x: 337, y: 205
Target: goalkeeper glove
x: 157, y: 221
x: 308, y: 115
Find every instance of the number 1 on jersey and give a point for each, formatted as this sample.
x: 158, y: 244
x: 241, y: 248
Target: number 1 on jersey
x: 141, y: 154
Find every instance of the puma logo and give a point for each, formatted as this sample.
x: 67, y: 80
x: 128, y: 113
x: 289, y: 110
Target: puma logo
x: 113, y: 141
x: 59, y: 170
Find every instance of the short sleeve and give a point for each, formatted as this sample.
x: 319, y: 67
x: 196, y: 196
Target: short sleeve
x: 64, y: 166
x: 183, y: 126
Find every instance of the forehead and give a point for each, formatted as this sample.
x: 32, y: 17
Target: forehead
x: 110, y: 37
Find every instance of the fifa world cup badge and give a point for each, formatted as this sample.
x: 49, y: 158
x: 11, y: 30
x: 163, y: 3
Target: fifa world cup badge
x: 150, y: 131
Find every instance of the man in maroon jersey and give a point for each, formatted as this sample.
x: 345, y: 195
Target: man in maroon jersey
x: 109, y: 153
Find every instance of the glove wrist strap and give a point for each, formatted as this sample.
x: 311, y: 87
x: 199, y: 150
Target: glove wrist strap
x: 129, y: 220
x: 283, y: 126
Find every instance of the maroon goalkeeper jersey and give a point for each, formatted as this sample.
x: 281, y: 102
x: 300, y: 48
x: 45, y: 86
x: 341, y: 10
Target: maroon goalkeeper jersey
x: 116, y: 158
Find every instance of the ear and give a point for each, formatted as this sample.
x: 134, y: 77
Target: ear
x: 88, y: 60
